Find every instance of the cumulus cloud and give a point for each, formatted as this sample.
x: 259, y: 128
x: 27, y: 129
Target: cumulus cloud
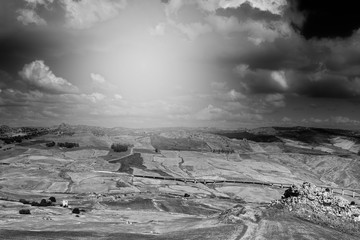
x: 84, y: 14
x: 38, y: 75
x: 97, y: 78
x: 272, y: 6
x: 29, y: 16
x: 94, y: 97
x: 345, y: 120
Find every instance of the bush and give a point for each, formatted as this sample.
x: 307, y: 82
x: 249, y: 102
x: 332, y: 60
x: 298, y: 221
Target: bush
x: 24, y: 211
x: 24, y: 201
x: 50, y: 144
x: 68, y: 144
x: 45, y: 203
x: 52, y: 199
x: 76, y: 211
x: 117, y: 147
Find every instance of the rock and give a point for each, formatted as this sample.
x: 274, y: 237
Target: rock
x: 320, y: 201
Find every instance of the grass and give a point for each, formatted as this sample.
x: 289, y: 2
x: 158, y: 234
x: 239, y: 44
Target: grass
x: 14, y: 152
x: 143, y: 150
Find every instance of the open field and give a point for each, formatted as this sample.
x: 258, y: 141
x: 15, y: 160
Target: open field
x: 120, y: 204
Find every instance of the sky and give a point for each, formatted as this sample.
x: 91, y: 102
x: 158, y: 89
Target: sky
x: 180, y: 63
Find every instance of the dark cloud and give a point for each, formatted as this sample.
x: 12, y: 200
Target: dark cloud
x: 246, y: 11
x: 327, y: 19
x: 328, y: 87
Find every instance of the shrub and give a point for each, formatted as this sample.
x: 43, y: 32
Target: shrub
x: 68, y: 144
x: 52, y: 199
x: 45, y: 203
x: 50, y: 144
x: 24, y: 201
x: 76, y: 211
x: 24, y: 211
x: 117, y: 147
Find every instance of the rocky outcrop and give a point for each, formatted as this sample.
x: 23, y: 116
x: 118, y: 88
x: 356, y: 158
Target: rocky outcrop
x: 318, y: 200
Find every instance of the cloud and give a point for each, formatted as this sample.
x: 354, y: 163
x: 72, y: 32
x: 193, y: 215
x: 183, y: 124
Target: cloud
x: 234, y: 95
x: 118, y: 97
x: 279, y: 77
x: 99, y: 83
x: 212, y: 113
x: 29, y: 16
x: 248, y: 11
x: 193, y: 30
x: 86, y: 13
x: 275, y: 7
x: 314, y: 18
x: 286, y: 119
x: 277, y: 100
x: 97, y: 78
x: 256, y: 32
x: 38, y: 75
x: 158, y: 30
x: 218, y: 85
x: 345, y: 120
x: 272, y: 6
x: 35, y: 3
x: 241, y: 69
x: 94, y: 97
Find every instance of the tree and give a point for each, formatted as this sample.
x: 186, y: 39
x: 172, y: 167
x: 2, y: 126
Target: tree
x: 117, y: 147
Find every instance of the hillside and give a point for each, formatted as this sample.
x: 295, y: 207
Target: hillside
x: 172, y: 183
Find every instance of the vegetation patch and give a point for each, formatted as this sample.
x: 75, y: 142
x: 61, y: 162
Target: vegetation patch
x: 178, y: 144
x: 249, y: 136
x: 67, y: 145
x: 118, y: 147
x: 127, y: 163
